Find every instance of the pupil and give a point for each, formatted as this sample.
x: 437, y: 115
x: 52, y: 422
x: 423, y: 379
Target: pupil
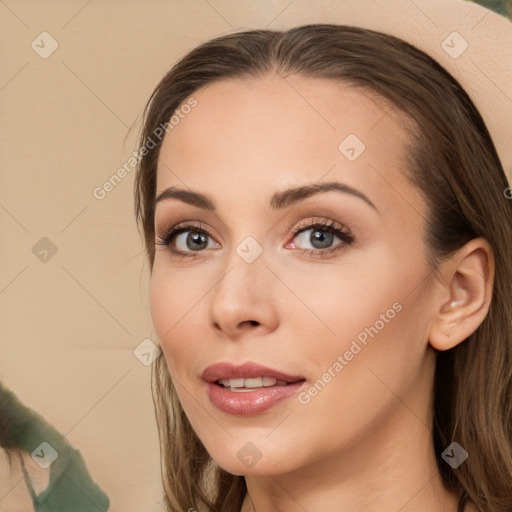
x: 198, y: 238
x: 324, y: 239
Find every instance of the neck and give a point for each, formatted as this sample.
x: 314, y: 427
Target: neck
x: 391, y: 472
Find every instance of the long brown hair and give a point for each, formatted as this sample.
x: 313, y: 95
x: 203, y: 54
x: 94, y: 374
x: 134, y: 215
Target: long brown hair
x: 452, y: 161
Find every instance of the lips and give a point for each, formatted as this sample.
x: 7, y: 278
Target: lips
x: 248, y: 389
x: 250, y: 370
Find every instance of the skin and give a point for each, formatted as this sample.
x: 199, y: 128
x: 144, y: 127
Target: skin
x: 363, y: 442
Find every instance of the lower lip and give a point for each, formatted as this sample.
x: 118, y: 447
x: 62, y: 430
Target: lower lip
x: 249, y: 403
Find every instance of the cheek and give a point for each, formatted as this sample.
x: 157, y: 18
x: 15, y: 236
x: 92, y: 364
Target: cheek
x: 172, y: 294
x: 159, y: 302
x: 346, y: 298
x: 368, y: 311
x: 176, y: 306
x: 379, y: 354
x: 165, y: 308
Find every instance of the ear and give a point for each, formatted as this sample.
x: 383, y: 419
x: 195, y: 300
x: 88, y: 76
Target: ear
x: 467, y: 282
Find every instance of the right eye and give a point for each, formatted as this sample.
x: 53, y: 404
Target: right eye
x: 185, y: 240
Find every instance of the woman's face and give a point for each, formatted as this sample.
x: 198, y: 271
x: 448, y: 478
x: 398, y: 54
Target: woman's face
x: 350, y: 318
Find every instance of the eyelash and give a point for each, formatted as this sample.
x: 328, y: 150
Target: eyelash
x: 339, y: 230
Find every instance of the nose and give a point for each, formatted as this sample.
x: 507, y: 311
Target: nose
x: 243, y: 300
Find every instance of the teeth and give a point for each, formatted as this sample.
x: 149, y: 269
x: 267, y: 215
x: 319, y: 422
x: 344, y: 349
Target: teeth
x: 254, y: 382
x: 233, y: 383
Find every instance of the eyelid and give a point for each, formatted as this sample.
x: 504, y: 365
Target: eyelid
x: 324, y: 222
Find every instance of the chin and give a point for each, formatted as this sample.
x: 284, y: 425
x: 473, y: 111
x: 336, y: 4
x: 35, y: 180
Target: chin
x: 250, y: 461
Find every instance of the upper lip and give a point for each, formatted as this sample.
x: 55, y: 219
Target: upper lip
x: 226, y: 370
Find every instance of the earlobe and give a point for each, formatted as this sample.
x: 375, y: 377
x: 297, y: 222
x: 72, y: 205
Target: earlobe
x: 445, y: 332
x: 468, y: 278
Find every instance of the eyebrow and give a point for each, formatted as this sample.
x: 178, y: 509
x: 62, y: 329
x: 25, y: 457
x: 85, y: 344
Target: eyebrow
x: 278, y: 201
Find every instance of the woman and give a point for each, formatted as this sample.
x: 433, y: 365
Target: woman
x: 329, y: 244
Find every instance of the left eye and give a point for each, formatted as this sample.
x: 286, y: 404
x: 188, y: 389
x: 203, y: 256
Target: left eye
x: 321, y: 236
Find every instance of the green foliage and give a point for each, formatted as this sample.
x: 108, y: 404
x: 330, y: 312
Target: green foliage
x: 503, y: 7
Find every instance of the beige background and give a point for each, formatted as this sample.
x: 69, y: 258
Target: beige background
x: 70, y: 324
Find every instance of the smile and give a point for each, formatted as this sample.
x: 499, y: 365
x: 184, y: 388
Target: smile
x: 248, y: 389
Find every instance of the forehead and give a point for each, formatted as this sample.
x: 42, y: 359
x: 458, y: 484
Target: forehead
x: 271, y: 132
